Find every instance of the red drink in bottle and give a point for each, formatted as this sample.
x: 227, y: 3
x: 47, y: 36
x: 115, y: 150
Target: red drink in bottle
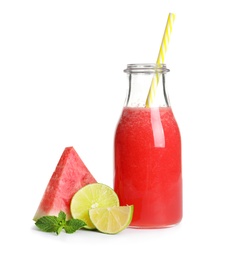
x: 148, y: 161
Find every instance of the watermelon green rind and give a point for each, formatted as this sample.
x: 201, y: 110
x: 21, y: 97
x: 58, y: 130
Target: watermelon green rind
x: 70, y: 175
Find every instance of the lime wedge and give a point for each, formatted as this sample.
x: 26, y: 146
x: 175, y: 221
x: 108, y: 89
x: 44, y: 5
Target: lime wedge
x: 92, y: 196
x: 111, y: 220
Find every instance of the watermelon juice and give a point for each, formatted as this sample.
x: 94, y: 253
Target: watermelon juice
x: 148, y: 166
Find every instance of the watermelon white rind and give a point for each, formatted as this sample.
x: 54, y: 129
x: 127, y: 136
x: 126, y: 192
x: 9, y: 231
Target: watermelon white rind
x: 70, y: 175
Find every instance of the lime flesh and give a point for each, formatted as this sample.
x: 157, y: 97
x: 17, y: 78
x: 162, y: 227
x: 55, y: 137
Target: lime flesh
x: 91, y: 196
x: 111, y: 220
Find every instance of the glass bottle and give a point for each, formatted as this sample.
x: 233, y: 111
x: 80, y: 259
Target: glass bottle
x: 147, y: 151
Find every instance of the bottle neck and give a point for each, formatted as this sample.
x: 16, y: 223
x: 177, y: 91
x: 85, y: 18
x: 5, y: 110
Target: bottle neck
x: 140, y: 79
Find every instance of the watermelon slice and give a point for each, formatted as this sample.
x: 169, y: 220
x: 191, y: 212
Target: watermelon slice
x: 70, y: 175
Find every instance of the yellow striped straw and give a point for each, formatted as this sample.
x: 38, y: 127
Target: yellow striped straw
x: 161, y: 58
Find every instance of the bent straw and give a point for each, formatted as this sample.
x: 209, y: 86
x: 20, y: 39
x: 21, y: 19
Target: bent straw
x: 161, y: 58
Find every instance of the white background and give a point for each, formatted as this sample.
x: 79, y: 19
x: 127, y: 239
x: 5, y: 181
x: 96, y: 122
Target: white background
x: 62, y: 84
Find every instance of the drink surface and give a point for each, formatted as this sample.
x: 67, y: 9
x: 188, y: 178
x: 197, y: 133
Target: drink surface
x: 148, y: 166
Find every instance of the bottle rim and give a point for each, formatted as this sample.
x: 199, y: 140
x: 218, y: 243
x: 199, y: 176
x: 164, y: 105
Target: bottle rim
x: 146, y: 68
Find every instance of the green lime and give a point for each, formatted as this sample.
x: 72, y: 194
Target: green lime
x: 111, y: 220
x: 91, y: 196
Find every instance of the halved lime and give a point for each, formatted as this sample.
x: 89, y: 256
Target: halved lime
x: 111, y: 220
x: 92, y: 196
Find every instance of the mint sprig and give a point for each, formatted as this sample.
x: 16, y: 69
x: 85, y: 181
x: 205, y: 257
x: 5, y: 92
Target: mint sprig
x: 57, y: 224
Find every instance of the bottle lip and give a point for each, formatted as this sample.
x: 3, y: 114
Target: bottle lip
x: 146, y: 68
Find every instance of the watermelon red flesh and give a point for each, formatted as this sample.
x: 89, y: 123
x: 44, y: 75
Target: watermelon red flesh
x: 70, y: 175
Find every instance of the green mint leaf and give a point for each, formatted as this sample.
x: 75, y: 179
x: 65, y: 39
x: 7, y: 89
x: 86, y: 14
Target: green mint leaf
x: 61, y: 219
x: 62, y: 216
x: 57, y: 224
x: 73, y: 225
x: 48, y: 223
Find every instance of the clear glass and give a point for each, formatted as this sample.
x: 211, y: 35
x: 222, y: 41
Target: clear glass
x: 140, y: 77
x: 147, y: 151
